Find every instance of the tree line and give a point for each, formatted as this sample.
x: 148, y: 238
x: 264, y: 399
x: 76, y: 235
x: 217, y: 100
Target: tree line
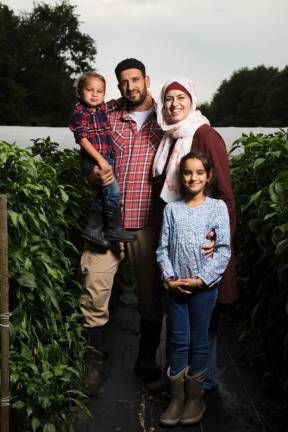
x: 41, y: 52
x: 251, y: 97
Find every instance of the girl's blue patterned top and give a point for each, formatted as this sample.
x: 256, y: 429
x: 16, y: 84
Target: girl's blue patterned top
x: 183, y: 235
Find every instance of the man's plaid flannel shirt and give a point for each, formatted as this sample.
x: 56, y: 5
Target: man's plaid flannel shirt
x: 134, y: 153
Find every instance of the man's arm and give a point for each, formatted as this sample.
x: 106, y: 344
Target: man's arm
x: 111, y: 105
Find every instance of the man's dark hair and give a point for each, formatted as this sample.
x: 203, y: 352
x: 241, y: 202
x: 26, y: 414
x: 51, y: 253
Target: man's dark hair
x: 129, y: 63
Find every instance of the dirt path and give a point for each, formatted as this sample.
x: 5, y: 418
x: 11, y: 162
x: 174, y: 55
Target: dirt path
x: 237, y: 405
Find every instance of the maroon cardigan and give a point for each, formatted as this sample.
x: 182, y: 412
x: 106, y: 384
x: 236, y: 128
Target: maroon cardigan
x: 207, y: 140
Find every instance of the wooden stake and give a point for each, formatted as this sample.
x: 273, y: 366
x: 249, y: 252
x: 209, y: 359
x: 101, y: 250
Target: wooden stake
x: 4, y: 315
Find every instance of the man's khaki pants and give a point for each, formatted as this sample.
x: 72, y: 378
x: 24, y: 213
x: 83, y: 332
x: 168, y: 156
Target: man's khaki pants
x: 99, y: 270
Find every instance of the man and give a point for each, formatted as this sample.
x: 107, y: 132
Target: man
x: 136, y: 135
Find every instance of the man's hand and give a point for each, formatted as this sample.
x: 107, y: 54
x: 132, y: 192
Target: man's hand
x: 208, y: 249
x: 103, y: 164
x: 102, y: 177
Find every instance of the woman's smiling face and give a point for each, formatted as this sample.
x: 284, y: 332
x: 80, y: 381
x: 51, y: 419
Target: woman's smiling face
x: 177, y: 106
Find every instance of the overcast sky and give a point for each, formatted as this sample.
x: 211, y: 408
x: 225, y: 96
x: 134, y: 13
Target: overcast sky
x: 206, y: 40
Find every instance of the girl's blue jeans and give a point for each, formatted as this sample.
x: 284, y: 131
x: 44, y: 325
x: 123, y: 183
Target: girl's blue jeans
x: 188, y: 324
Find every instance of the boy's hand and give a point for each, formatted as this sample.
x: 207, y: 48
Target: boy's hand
x: 208, y: 249
x: 102, y: 177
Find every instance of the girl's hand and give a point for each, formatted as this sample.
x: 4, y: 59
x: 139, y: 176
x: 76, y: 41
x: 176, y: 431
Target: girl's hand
x: 208, y: 249
x: 191, y: 284
x: 176, y: 286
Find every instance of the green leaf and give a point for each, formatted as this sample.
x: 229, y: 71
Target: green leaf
x: 29, y: 411
x: 14, y: 217
x: 281, y: 247
x: 47, y: 191
x: 27, y: 279
x: 46, y: 375
x: 49, y: 427
x: 18, y: 405
x: 64, y: 196
x: 258, y: 162
x: 45, y: 401
x: 35, y: 423
x: 269, y: 216
x: 14, y: 377
x: 43, y: 218
x: 52, y: 297
x: 254, y: 197
x: 273, y: 192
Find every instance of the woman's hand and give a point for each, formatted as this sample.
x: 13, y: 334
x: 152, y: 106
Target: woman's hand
x: 103, y: 177
x: 208, y: 249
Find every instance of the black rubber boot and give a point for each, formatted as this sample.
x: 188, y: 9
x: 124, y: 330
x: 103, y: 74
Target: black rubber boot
x: 97, y: 362
x: 146, y: 366
x: 93, y: 231
x: 114, y: 230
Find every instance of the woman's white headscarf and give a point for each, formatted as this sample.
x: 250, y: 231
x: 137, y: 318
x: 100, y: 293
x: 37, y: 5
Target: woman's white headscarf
x: 183, y: 133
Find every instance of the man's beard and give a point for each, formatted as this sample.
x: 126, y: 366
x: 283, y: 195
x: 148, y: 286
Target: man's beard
x: 135, y: 103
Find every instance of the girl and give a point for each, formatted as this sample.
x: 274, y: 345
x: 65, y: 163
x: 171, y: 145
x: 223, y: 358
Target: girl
x: 192, y: 283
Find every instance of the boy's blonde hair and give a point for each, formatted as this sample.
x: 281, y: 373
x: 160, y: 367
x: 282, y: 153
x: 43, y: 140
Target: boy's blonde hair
x: 80, y: 83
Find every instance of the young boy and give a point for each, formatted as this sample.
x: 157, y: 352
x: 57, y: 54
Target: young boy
x: 91, y: 130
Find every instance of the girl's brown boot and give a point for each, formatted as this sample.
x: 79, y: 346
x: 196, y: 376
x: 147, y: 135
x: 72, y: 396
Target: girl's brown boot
x: 195, y: 407
x: 173, y: 413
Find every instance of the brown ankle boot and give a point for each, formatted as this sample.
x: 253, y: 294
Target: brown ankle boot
x: 96, y: 371
x: 158, y: 386
x: 195, y: 407
x: 172, y: 415
x: 146, y: 366
x: 97, y: 361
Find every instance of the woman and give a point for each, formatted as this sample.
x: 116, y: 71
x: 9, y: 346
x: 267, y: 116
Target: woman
x: 187, y: 129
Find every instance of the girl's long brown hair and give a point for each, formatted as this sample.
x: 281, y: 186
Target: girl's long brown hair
x: 211, y: 188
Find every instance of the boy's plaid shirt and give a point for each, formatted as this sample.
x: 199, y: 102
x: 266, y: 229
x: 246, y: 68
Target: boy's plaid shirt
x: 134, y: 153
x: 93, y: 125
